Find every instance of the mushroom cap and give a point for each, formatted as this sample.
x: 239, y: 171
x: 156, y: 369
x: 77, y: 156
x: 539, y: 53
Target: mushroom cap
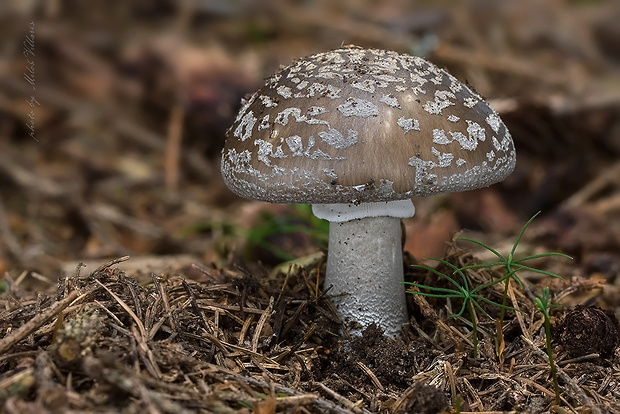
x: 363, y: 125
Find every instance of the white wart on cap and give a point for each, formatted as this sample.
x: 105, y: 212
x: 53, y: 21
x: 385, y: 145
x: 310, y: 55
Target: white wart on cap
x: 364, y: 125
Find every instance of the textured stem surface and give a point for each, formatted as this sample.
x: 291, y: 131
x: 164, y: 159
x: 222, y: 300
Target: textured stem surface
x: 365, y: 262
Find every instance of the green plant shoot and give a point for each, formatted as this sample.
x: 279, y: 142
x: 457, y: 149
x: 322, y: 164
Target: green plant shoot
x: 512, y: 266
x: 544, y: 304
x: 463, y: 291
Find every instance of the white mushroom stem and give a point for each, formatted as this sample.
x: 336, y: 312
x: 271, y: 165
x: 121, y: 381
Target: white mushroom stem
x: 364, y: 262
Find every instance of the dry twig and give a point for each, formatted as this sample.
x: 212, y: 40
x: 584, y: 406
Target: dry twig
x: 39, y: 320
x: 576, y: 390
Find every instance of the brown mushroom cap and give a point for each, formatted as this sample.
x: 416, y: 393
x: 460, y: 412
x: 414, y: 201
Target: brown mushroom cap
x: 362, y: 125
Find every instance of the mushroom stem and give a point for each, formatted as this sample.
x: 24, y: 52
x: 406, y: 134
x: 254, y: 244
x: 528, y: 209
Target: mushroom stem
x: 365, y: 263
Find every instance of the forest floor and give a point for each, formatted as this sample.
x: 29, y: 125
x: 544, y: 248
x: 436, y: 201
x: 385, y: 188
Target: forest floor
x: 133, y: 281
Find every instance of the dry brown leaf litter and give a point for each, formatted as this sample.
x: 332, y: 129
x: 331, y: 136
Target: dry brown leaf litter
x: 239, y: 342
x: 118, y: 83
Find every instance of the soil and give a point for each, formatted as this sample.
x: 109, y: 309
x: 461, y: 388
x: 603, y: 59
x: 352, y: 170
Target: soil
x: 133, y: 280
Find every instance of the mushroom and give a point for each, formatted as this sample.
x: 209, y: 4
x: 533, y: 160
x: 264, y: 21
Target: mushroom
x: 357, y: 133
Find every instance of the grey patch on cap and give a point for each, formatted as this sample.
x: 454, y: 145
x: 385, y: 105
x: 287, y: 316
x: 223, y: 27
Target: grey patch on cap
x: 418, y: 90
x: 264, y: 123
x: 455, y: 84
x: 330, y: 173
x: 418, y: 78
x: 475, y: 131
x: 470, y: 102
x: 423, y: 178
x: 317, y: 88
x: 327, y: 75
x: 317, y: 154
x: 494, y: 121
x: 285, y: 91
x: 389, y: 78
x: 244, y: 107
x: 265, y: 151
x: 273, y: 80
x: 332, y: 92
x: 440, y: 103
x: 367, y: 85
x: 391, y: 101
x: 335, y: 139
x: 505, y: 145
x: 444, y: 158
x: 267, y: 101
x: 282, y: 117
x: 244, y: 129
x: 315, y: 121
x: 295, y: 145
x: 311, y: 143
x: 408, y: 124
x: 469, y: 143
x: 440, y: 137
x: 358, y: 107
x: 316, y: 110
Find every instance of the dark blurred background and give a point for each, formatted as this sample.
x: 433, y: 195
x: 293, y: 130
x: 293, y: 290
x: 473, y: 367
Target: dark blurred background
x: 113, y: 115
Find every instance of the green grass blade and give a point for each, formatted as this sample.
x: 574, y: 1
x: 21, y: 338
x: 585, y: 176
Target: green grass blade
x: 541, y: 307
x: 538, y: 256
x: 482, y: 265
x: 488, y: 284
x: 512, y: 274
x: 542, y: 272
x: 499, y: 305
x: 456, y: 315
x: 435, y: 295
x: 438, y: 273
x: 432, y: 288
x: 465, y: 286
x: 486, y: 246
x: 477, y: 305
x: 514, y: 247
